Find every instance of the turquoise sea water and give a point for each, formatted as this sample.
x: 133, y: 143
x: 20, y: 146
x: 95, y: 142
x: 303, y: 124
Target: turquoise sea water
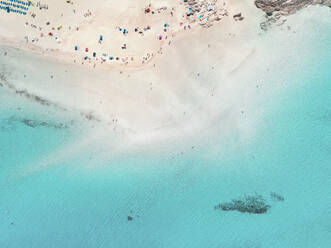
x: 172, y: 198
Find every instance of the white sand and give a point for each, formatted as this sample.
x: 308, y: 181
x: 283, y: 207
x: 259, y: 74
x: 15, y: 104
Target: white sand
x: 81, y: 24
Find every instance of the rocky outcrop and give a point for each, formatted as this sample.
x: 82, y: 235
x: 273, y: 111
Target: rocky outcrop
x: 287, y: 6
x: 276, y: 9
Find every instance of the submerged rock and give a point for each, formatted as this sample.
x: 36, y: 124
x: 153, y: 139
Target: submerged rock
x: 36, y: 123
x: 276, y: 197
x: 10, y: 123
x: 254, y: 204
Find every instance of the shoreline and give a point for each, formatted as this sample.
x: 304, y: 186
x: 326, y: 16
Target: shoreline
x: 175, y: 98
x: 221, y: 94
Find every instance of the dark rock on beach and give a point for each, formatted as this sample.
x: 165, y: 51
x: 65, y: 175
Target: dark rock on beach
x: 238, y: 17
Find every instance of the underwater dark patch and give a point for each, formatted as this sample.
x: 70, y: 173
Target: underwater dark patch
x: 252, y: 204
x: 43, y: 101
x: 276, y: 197
x: 11, y: 122
x: 24, y: 93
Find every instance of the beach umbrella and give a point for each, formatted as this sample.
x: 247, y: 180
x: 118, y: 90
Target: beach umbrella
x: 101, y: 37
x: 76, y: 48
x: 86, y: 49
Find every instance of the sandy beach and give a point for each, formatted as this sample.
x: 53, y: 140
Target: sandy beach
x: 111, y: 34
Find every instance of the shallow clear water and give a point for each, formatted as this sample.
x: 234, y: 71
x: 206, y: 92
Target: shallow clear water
x: 172, y: 198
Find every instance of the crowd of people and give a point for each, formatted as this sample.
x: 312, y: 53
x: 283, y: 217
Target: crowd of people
x: 165, y: 22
